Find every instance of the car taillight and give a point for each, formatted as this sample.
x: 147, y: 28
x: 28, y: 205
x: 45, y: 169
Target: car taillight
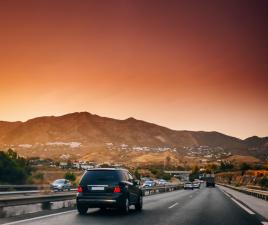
x: 117, y: 189
x: 79, y: 189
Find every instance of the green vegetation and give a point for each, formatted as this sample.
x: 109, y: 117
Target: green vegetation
x: 226, y: 166
x: 264, y: 182
x: 159, y: 173
x: 13, y: 168
x: 195, y: 173
x: 244, y: 167
x: 39, y: 176
x: 137, y: 174
x: 70, y: 176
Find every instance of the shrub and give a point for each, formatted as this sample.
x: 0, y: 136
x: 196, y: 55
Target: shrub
x: 70, y: 176
x: 14, y: 169
x: 263, y: 182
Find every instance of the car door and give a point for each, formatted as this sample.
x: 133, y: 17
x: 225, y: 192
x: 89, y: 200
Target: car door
x: 133, y: 190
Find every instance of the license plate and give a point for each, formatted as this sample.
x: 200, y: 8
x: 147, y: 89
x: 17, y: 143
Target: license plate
x: 97, y: 188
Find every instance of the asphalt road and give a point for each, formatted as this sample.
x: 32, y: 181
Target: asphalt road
x: 206, y: 206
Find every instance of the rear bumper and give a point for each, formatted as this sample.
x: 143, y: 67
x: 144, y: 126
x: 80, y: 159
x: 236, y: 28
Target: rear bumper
x: 100, y: 201
x: 56, y: 188
x: 188, y: 187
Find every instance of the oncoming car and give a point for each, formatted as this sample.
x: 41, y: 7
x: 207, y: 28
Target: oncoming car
x: 108, y: 188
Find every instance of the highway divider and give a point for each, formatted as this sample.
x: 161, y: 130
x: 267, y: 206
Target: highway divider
x: 253, y: 192
x: 160, y: 189
x: 47, y: 199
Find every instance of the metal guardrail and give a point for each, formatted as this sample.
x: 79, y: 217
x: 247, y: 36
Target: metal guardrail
x: 46, y: 200
x: 26, y: 200
x: 253, y: 192
x: 11, y: 193
x: 161, y: 189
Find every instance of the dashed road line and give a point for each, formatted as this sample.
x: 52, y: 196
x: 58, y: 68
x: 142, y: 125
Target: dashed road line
x: 170, y: 207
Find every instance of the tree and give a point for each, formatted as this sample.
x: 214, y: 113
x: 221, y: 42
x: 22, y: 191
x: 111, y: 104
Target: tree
x: 244, y: 167
x: 263, y: 182
x: 226, y: 166
x: 70, y: 176
x: 13, y: 168
x: 195, y: 173
x: 137, y: 174
x: 159, y: 173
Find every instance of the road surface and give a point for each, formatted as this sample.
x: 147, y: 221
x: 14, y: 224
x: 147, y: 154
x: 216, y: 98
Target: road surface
x: 205, y: 206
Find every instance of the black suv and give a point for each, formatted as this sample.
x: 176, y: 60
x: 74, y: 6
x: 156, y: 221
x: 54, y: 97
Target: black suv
x: 108, y: 188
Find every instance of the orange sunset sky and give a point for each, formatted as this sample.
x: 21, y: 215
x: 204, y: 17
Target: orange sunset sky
x: 187, y: 65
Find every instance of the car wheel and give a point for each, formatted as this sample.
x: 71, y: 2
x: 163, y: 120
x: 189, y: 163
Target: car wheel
x: 139, y: 204
x: 82, y: 209
x: 125, y: 206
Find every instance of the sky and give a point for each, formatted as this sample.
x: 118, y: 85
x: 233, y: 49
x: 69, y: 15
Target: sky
x: 186, y: 65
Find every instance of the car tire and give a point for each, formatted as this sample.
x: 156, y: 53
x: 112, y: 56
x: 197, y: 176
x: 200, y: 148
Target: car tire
x: 124, y: 208
x: 82, y: 209
x: 139, y: 204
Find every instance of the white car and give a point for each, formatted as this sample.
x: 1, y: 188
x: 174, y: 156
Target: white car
x: 196, y: 184
x: 188, y: 185
x: 148, y: 183
x: 162, y: 182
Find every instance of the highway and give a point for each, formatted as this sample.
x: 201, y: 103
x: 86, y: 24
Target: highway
x: 205, y: 206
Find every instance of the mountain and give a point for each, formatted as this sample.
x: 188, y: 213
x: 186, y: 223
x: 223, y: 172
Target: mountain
x: 87, y: 131
x: 258, y: 146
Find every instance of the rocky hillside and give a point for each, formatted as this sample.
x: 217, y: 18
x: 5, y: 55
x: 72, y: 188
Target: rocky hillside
x: 87, y: 130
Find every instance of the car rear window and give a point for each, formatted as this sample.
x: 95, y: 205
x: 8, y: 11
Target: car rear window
x: 100, y: 177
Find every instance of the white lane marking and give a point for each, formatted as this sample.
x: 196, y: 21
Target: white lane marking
x: 243, y: 207
x: 264, y: 223
x: 39, y: 217
x: 170, y: 207
x: 226, y: 194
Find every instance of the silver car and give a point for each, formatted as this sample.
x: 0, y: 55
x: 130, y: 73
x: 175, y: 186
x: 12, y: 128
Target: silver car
x: 61, y: 185
x: 188, y: 185
x: 196, y: 184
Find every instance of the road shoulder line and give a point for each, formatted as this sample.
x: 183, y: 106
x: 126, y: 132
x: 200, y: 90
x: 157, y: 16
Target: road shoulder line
x: 39, y: 217
x: 243, y: 207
